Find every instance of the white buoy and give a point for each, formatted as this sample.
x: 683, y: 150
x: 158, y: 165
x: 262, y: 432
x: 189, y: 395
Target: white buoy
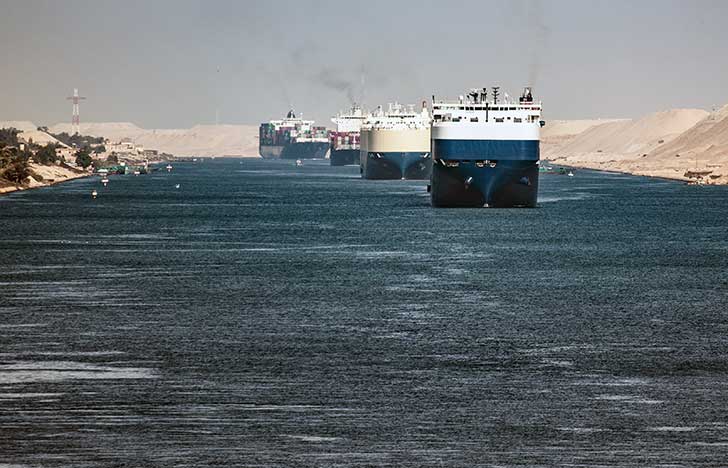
x: 169, y: 168
x: 105, y: 181
x: 94, y: 194
x: 176, y: 186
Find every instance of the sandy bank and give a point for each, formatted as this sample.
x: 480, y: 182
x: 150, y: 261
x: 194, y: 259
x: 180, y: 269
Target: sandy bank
x: 200, y: 140
x: 51, y: 175
x: 679, y: 144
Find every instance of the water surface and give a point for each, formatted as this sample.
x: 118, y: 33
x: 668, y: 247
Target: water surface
x: 268, y: 315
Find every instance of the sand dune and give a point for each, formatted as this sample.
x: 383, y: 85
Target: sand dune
x: 22, y: 125
x: 201, y: 140
x: 624, y: 139
x: 110, y: 130
x: 205, y: 140
x: 41, y: 138
x: 647, y: 146
x: 561, y: 132
x: 701, y: 148
x: 29, y: 131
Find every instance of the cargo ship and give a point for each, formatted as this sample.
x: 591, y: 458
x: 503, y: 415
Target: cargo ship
x: 396, y: 144
x: 345, y: 139
x: 293, y: 138
x: 485, y: 151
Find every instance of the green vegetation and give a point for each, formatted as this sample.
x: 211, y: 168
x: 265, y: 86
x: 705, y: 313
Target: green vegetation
x: 15, y: 154
x: 83, y: 158
x: 14, y: 164
x: 77, y: 140
x: 8, y: 137
x: 46, y: 154
x: 13, y: 161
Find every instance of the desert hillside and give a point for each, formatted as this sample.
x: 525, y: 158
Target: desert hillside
x: 662, y: 144
x: 561, y: 132
x: 201, y: 140
x: 703, y: 148
x: 22, y: 125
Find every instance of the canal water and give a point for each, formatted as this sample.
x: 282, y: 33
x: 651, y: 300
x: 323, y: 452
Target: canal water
x: 269, y: 315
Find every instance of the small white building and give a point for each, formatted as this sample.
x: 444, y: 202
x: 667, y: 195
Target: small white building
x: 125, y: 146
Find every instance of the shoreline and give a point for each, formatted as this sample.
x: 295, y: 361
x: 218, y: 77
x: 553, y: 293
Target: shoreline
x: 75, y: 174
x: 676, y: 178
x: 19, y: 188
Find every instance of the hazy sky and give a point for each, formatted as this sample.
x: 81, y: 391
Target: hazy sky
x: 178, y: 63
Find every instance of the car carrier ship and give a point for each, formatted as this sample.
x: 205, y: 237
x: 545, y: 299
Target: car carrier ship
x: 293, y: 138
x: 345, y: 139
x: 396, y: 144
x: 485, y: 152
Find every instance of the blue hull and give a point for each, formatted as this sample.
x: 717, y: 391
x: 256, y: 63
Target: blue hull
x: 407, y: 165
x: 308, y: 150
x: 348, y: 157
x: 500, y: 174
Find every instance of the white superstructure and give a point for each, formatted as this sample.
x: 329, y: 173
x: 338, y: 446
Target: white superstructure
x: 350, y: 121
x: 475, y: 117
x: 485, y: 152
x: 398, y: 117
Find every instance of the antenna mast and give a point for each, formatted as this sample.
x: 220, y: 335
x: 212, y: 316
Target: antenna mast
x: 76, y: 117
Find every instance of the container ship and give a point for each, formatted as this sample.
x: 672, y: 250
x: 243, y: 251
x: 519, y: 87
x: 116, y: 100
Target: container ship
x: 345, y: 139
x: 485, y: 152
x: 396, y: 144
x: 293, y: 138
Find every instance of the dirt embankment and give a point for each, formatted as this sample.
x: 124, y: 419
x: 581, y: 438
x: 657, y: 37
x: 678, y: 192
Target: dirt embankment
x: 678, y: 144
x: 43, y: 176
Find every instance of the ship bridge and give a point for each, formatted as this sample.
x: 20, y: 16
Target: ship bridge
x: 475, y: 107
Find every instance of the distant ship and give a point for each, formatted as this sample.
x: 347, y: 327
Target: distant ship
x: 396, y: 144
x: 345, y: 139
x: 485, y: 152
x: 293, y: 138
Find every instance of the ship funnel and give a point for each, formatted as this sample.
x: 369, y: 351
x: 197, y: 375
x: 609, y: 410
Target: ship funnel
x: 527, y: 95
